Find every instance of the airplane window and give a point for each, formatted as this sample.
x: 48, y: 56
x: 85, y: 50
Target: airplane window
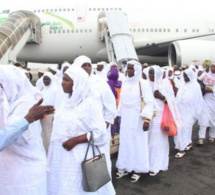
x: 51, y: 10
x: 55, y: 31
x: 90, y: 9
x: 81, y: 31
x: 59, y: 10
x: 185, y: 30
x: 156, y: 30
x: 151, y: 30
x: 68, y: 9
x: 50, y: 31
x: 76, y: 31
x: 197, y: 30
x: 72, y: 31
x: 107, y: 9
x: 73, y: 9
x: 98, y: 9
x: 34, y: 11
x: 138, y: 30
x: 43, y: 10
x: 115, y: 8
x: 59, y: 31
x: 164, y: 30
x: 63, y: 31
x: 68, y: 31
x: 55, y: 10
x: 193, y: 30
x: 64, y: 9
x: 103, y: 9
x: 38, y: 11
x: 134, y: 30
x: 94, y: 9
x: 160, y: 30
x: 120, y: 8
x: 147, y: 30
x: 176, y: 30
x: 85, y: 30
x: 143, y: 30
x: 47, y: 10
x: 90, y: 30
x: 168, y: 30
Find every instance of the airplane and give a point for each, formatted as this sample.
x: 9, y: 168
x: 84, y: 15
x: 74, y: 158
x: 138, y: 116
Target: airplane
x: 83, y: 29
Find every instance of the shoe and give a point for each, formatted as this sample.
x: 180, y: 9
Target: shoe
x: 200, y: 142
x: 188, y: 147
x: 120, y: 175
x: 135, y: 177
x: 179, y: 155
x: 211, y: 139
x: 152, y: 173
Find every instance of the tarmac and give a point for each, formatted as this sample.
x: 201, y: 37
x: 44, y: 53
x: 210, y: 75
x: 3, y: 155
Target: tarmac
x: 193, y: 174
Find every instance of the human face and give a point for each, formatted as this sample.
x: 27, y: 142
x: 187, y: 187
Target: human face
x: 46, y: 80
x: 151, y: 74
x: 186, y: 78
x: 144, y: 76
x: 87, y: 67
x: 199, y: 73
x: 114, y: 66
x: 130, y: 70
x: 67, y: 84
x: 170, y: 73
x: 213, y: 69
x: 99, y: 67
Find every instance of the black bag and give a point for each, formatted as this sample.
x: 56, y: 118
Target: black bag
x: 95, y: 172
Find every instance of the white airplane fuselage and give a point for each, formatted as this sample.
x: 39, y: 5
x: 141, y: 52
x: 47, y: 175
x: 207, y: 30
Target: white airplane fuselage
x: 69, y: 32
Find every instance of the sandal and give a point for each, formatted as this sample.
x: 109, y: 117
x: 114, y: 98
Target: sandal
x: 120, y: 175
x: 135, y: 177
x: 189, y: 147
x: 200, y: 142
x: 179, y: 155
x: 152, y: 173
x: 211, y: 139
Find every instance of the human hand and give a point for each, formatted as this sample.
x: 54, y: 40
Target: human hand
x: 145, y: 126
x: 37, y: 111
x: 70, y: 144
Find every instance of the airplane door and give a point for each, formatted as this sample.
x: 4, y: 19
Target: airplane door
x: 81, y: 10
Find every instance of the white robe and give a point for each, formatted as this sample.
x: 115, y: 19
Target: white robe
x: 133, y: 149
x: 23, y: 164
x: 65, y: 175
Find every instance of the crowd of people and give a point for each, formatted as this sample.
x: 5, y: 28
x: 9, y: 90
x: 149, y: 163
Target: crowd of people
x: 45, y: 156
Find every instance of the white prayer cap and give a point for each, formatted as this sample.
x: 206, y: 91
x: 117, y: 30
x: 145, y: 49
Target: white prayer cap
x: 102, y: 63
x: 80, y: 60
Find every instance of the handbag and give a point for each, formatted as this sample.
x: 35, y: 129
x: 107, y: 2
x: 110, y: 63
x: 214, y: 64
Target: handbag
x: 168, y: 125
x: 142, y: 103
x: 94, y: 170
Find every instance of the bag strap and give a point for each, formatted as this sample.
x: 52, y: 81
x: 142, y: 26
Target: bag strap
x: 91, y: 142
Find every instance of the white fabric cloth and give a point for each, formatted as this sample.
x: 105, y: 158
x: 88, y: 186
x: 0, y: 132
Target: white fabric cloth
x: 133, y: 149
x: 75, y: 117
x: 22, y: 164
x: 207, y: 117
x: 158, y: 141
x: 189, y: 100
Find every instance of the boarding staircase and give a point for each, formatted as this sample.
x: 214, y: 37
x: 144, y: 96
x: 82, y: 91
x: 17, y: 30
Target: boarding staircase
x: 114, y: 31
x: 21, y: 27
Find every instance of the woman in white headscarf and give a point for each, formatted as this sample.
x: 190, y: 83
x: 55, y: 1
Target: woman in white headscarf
x: 158, y: 141
x: 100, y: 90
x: 75, y: 118
x: 22, y: 164
x: 133, y: 149
x: 207, y: 116
x: 50, y: 97
x: 189, y: 101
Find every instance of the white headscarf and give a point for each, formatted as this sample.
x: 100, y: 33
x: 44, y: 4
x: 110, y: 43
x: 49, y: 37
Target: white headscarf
x: 16, y: 87
x: 66, y: 64
x: 146, y: 72
x: 80, y: 60
x: 81, y: 86
x: 137, y: 72
x: 15, y: 83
